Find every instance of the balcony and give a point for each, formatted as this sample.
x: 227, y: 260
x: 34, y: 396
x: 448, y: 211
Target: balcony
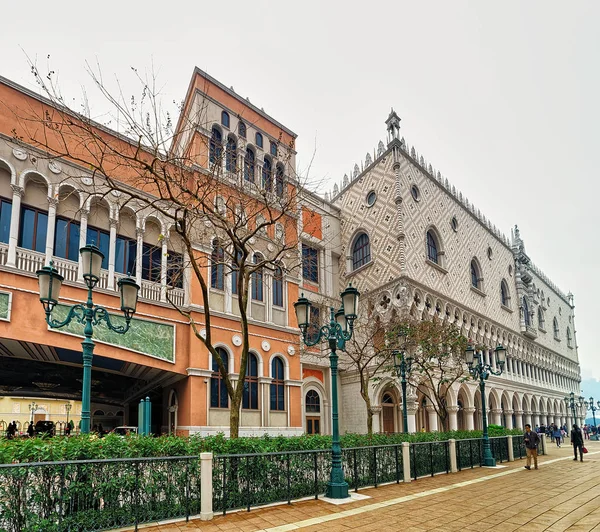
x: 31, y: 261
x: 529, y: 331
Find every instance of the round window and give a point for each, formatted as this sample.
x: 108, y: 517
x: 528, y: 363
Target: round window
x: 454, y: 224
x: 371, y: 198
x: 416, y: 194
x: 490, y: 253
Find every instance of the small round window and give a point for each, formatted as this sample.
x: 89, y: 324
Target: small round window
x: 371, y: 198
x: 490, y: 253
x: 415, y: 193
x: 454, y: 224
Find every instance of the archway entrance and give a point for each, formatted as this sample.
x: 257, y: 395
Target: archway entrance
x: 388, y: 413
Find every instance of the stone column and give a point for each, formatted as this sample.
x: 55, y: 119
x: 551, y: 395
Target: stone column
x: 82, y: 240
x: 206, y: 491
x: 163, y: 269
x: 469, y: 421
x: 511, y: 449
x: 508, y: 419
x: 187, y: 273
x: 15, y: 217
x: 138, y: 256
x: 376, y: 419
x: 452, y: 417
x: 411, y: 411
x: 519, y: 419
x: 406, y: 461
x: 433, y: 418
x: 112, y: 249
x: 52, y: 203
x: 536, y: 418
x: 496, y: 416
x: 452, y: 453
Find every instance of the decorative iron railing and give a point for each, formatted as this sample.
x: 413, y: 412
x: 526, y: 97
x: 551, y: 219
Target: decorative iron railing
x: 429, y: 458
x: 97, y: 494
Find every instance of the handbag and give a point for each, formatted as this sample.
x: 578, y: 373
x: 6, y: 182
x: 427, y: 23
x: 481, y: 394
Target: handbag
x: 585, y: 450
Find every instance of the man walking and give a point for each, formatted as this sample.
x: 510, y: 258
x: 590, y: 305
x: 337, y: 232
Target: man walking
x: 532, y: 439
x: 577, y: 442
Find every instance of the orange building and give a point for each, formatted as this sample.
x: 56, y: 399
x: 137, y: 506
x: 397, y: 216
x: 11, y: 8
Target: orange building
x: 50, y: 207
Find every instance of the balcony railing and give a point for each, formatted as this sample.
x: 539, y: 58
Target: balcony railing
x: 3, y: 254
x: 31, y: 261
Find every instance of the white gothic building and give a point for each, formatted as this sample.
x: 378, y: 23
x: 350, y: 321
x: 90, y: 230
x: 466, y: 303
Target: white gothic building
x: 415, y: 243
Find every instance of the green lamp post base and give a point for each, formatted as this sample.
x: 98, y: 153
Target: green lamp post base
x: 337, y: 490
x: 489, y: 461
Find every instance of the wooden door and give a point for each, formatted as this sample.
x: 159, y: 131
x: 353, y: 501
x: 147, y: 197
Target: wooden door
x: 388, y: 418
x: 313, y: 425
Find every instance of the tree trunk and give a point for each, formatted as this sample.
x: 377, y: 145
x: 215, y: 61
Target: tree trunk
x: 234, y: 418
x: 364, y: 393
x: 369, y: 421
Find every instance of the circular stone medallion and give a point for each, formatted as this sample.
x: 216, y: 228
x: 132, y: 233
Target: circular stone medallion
x: 236, y: 340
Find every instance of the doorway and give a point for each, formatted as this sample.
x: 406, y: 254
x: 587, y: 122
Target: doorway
x: 388, y: 409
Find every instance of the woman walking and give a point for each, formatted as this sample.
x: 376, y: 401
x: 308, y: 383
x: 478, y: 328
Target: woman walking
x: 577, y: 442
x: 557, y: 433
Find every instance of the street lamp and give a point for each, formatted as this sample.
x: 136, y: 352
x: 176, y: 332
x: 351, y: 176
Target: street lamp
x: 88, y: 314
x: 571, y: 403
x: 32, y: 408
x: 403, y: 364
x: 68, y: 410
x: 337, y: 333
x: 480, y: 370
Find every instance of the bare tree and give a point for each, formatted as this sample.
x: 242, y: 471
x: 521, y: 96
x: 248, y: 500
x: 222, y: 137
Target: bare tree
x: 228, y: 220
x: 438, y: 350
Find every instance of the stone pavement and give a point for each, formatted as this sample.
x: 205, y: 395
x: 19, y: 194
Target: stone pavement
x: 561, y: 495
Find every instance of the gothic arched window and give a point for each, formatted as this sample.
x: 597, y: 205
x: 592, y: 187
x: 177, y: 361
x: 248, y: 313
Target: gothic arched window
x: 277, y: 385
x: 249, y: 165
x: 312, y: 402
x: 225, y: 119
x: 432, y: 247
x: 361, y: 251
x: 215, y: 147
x: 217, y: 267
x: 267, y: 175
x: 526, y: 315
x: 504, y: 297
x: 218, y: 390
x: 250, y: 397
x: 231, y: 155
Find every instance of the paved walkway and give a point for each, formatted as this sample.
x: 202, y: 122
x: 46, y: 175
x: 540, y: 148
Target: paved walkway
x: 561, y: 495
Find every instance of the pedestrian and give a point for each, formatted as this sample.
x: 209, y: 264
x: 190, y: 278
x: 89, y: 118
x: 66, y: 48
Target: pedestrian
x: 532, y: 440
x: 551, y: 431
x: 30, y: 430
x: 577, y: 442
x: 586, y: 431
x: 557, y: 436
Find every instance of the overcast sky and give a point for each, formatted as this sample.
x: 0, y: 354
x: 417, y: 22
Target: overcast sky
x: 501, y: 97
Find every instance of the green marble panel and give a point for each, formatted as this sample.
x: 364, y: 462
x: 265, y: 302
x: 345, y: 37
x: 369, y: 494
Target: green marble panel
x: 4, y: 305
x: 146, y: 337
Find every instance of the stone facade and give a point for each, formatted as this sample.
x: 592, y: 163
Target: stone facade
x: 475, y: 277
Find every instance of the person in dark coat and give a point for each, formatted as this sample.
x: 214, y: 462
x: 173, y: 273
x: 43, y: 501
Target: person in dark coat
x: 577, y: 442
x: 532, y: 440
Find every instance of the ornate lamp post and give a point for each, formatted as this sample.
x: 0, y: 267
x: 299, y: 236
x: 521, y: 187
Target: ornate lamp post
x: 337, y: 333
x: 403, y: 364
x: 88, y: 314
x: 68, y: 410
x: 572, y: 403
x: 480, y: 370
x: 32, y: 408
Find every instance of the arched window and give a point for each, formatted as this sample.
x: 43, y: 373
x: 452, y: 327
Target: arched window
x: 278, y: 287
x: 217, y: 266
x: 504, y: 297
x: 277, y: 385
x: 225, y: 119
x: 569, y: 338
x: 475, y: 275
x: 249, y: 165
x: 361, y: 251
x: 250, y: 397
x: 312, y: 402
x: 432, y: 247
x: 526, y: 315
x: 556, y: 329
x: 242, y: 129
x: 215, y: 148
x: 267, y: 175
x: 259, y: 140
x: 257, y: 279
x: 273, y: 149
x: 541, y: 319
x: 218, y: 390
x: 279, y: 181
x: 231, y: 155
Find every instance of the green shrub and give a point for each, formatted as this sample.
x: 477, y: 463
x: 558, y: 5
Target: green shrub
x: 90, y: 447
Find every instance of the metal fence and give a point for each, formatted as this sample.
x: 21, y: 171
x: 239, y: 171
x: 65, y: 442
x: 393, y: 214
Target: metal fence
x: 429, y: 458
x: 371, y: 466
x: 97, y: 494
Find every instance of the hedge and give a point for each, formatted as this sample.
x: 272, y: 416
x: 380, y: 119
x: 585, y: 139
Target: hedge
x: 90, y: 447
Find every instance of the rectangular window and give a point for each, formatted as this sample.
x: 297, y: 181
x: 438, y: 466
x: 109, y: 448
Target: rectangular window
x: 34, y: 225
x: 66, y: 239
x: 101, y: 240
x: 125, y: 254
x: 5, y: 214
x: 278, y: 288
x: 310, y: 264
x: 257, y: 285
x: 250, y: 397
x: 175, y: 270
x: 151, y: 259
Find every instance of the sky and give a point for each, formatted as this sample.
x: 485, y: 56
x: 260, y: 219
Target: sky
x: 501, y: 97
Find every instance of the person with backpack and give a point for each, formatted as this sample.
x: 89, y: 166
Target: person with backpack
x: 557, y: 435
x: 577, y: 442
x: 531, y: 446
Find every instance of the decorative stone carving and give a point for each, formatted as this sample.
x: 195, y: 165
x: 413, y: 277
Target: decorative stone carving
x: 345, y: 181
x: 21, y: 155
x: 368, y: 160
x: 356, y: 172
x: 116, y: 193
x: 266, y: 346
x: 270, y: 246
x: 421, y: 161
x: 336, y: 190
x: 87, y: 180
x: 54, y: 167
x: 203, y: 333
x: 291, y: 350
x: 413, y: 153
x: 236, y: 340
x: 430, y: 169
x: 380, y: 148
